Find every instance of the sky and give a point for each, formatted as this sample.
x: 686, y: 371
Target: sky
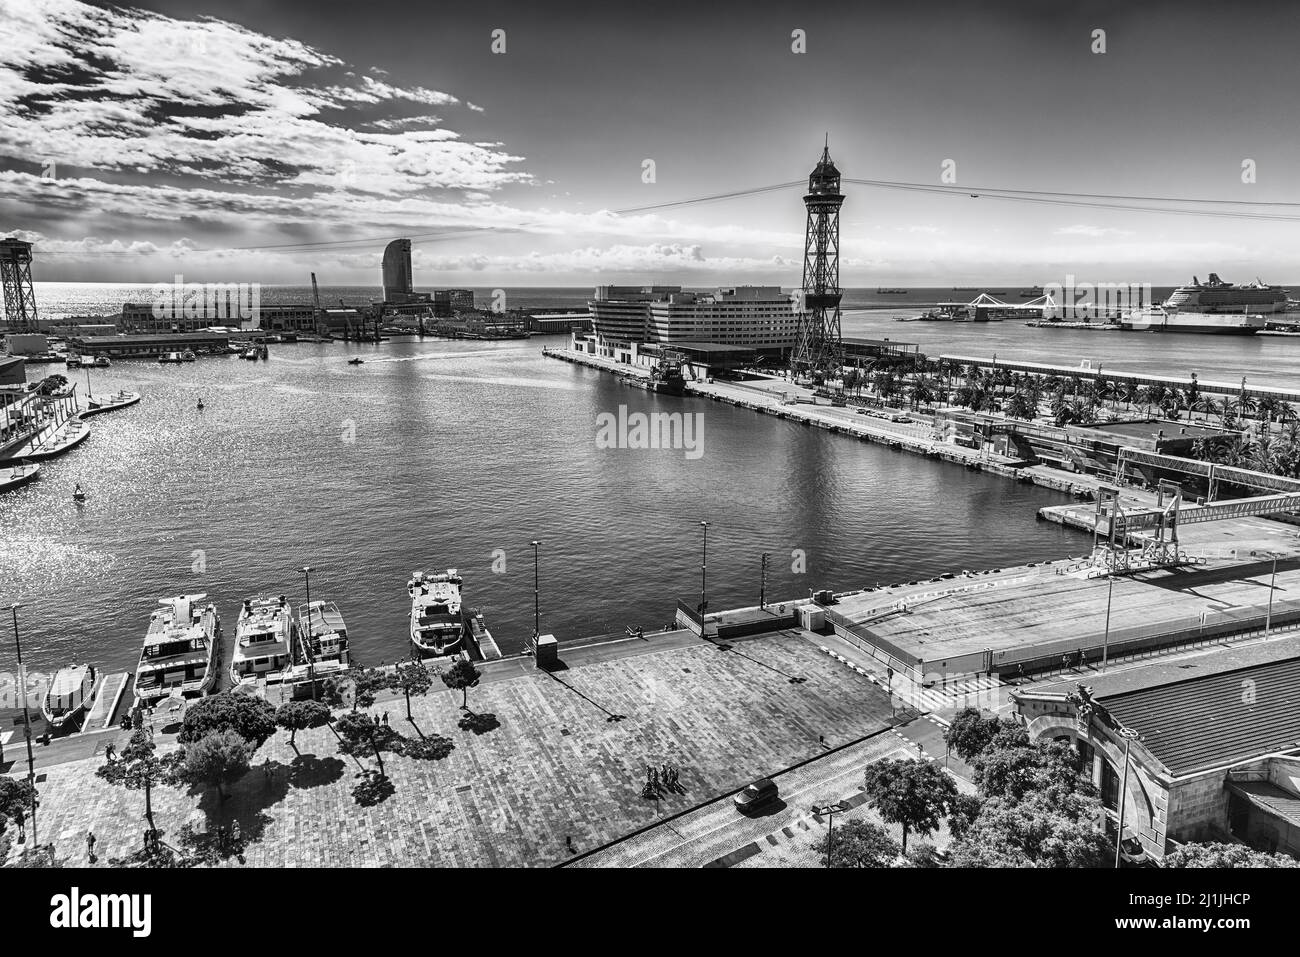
x: 248, y: 141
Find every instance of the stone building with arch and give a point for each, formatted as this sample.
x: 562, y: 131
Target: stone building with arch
x: 1213, y: 743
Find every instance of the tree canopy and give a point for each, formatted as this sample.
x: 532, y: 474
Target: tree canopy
x: 252, y: 718
x: 1034, y: 832
x: 1226, y: 855
x: 217, y: 759
x: 461, y: 677
x: 860, y: 844
x: 913, y: 794
x: 295, y: 716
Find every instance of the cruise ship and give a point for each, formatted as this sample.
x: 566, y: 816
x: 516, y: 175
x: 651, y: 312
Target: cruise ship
x: 437, y: 626
x: 180, y: 651
x: 263, y: 640
x: 1213, y: 307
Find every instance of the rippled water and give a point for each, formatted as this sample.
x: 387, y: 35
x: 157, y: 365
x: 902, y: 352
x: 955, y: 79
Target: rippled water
x: 462, y: 449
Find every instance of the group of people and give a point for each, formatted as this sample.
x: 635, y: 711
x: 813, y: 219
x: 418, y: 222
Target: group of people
x: 660, y: 779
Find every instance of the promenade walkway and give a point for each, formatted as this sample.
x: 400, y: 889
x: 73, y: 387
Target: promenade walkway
x: 555, y: 766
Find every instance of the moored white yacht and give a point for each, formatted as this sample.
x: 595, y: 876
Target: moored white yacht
x: 180, y: 651
x: 263, y: 640
x: 69, y: 695
x: 321, y: 648
x: 437, y: 627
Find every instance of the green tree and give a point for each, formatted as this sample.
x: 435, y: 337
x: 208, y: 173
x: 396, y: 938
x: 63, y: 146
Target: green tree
x: 1011, y: 770
x: 216, y: 759
x: 1035, y: 832
x: 252, y: 718
x: 410, y: 678
x: 860, y: 844
x: 913, y: 794
x: 17, y: 798
x: 461, y: 677
x: 139, y: 768
x: 295, y: 716
x: 360, y: 733
x: 1226, y: 855
x: 971, y: 732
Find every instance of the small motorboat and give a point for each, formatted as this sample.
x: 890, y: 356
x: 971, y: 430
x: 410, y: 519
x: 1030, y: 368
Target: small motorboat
x: 78, y: 493
x: 69, y: 695
x: 356, y: 361
x: 188, y: 356
x: 98, y: 362
x: 200, y: 405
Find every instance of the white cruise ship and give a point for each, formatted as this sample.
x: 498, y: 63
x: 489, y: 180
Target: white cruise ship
x: 263, y: 640
x: 1213, y: 307
x: 1216, y: 296
x: 437, y: 626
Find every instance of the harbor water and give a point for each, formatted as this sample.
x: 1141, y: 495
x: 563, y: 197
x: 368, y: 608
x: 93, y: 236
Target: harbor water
x: 442, y: 454
x: 438, y: 453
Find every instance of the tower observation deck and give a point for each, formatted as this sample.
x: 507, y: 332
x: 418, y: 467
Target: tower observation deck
x: 16, y: 278
x: 818, y: 348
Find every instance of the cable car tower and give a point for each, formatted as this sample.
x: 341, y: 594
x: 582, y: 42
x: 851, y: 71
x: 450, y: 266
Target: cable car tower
x: 818, y: 346
x: 16, y: 278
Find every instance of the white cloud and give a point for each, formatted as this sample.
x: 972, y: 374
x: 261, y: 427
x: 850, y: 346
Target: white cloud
x: 1083, y: 229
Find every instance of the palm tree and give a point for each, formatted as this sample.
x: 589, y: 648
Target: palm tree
x: 1204, y: 404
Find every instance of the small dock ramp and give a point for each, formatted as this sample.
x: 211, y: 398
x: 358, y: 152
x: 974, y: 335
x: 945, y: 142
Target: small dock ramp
x: 107, y: 697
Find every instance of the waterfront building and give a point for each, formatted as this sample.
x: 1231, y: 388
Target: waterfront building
x: 621, y: 317
x: 448, y: 302
x: 150, y: 346
x: 752, y: 317
x: 13, y: 372
x: 396, y: 273
x: 757, y: 317
x: 1216, y: 751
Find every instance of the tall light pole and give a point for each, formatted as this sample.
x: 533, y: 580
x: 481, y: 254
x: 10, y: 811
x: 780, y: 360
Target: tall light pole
x: 1105, y: 641
x: 830, y: 810
x: 1128, y: 734
x: 27, y: 718
x: 762, y: 583
x: 1272, y: 583
x: 311, y: 654
x: 537, y: 600
x: 704, y: 560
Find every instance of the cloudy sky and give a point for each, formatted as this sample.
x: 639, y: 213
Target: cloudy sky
x: 242, y: 140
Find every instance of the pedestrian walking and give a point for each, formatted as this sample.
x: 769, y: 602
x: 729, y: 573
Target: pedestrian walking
x: 110, y: 752
x: 385, y: 719
x: 268, y: 771
x: 21, y: 817
x: 90, y: 846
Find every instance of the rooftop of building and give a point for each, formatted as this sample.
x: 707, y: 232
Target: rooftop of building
x: 1207, y: 711
x: 1269, y: 797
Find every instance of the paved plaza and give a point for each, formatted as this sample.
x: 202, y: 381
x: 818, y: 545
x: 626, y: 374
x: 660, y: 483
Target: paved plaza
x: 560, y: 765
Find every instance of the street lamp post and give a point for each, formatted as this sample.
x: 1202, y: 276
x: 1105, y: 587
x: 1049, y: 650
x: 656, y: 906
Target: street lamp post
x: 830, y: 810
x: 1128, y: 735
x: 1272, y: 583
x: 762, y: 584
x: 537, y: 601
x: 1105, y: 641
x: 27, y: 718
x: 704, y: 560
x: 311, y: 654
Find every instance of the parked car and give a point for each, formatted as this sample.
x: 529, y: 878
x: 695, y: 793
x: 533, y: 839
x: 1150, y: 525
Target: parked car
x: 756, y: 795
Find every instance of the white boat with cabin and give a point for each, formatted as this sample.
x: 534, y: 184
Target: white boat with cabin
x: 180, y: 651
x: 437, y: 627
x: 263, y: 640
x: 69, y: 695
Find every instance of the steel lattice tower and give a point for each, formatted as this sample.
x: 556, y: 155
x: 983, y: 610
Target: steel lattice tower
x: 16, y: 277
x: 818, y: 346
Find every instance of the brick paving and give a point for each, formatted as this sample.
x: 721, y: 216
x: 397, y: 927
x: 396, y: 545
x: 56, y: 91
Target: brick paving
x: 555, y: 767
